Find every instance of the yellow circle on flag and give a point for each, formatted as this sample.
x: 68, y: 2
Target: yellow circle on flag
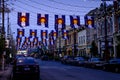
x: 60, y: 21
x: 54, y: 34
x: 44, y: 33
x: 65, y: 34
x: 89, y: 22
x: 20, y: 33
x: 23, y: 19
x: 42, y: 20
x: 33, y: 33
x: 75, y: 21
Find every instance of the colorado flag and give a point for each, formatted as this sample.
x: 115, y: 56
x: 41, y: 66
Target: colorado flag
x: 74, y: 21
x: 42, y: 19
x: 59, y: 22
x: 23, y: 19
x: 89, y: 21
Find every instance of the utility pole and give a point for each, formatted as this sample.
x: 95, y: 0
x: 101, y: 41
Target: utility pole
x: 3, y: 19
x: 8, y: 28
x: 3, y: 34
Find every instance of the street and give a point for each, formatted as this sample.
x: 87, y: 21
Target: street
x: 52, y: 70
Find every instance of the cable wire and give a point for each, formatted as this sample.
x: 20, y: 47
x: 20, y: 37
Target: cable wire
x: 58, y: 8
x: 42, y: 9
x: 65, y: 4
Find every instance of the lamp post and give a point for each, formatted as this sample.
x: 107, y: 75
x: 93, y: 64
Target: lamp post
x: 74, y: 34
x: 3, y: 18
x: 59, y: 33
x: 106, y: 51
x: 3, y: 34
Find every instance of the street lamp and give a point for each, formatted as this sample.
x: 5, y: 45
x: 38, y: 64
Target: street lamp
x: 74, y: 34
x: 106, y: 51
x: 2, y: 10
x: 59, y: 34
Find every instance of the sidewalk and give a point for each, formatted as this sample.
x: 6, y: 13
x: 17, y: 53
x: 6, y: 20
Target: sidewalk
x: 6, y: 74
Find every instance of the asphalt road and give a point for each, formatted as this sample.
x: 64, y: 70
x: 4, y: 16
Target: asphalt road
x: 52, y: 70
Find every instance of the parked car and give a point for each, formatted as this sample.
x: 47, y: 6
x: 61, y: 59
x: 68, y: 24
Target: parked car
x: 69, y: 60
x: 112, y: 65
x: 44, y: 57
x: 64, y: 59
x: 78, y: 61
x: 26, y: 67
x: 94, y: 62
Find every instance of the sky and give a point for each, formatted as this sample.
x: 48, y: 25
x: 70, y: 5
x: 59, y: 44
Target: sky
x: 50, y: 7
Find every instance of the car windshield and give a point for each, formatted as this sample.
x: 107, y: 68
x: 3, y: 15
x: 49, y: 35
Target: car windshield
x: 79, y: 58
x: 96, y: 59
x: 115, y: 61
x: 26, y: 61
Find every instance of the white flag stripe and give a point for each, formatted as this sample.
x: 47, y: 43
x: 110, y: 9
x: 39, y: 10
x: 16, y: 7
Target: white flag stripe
x: 23, y: 24
x: 23, y: 14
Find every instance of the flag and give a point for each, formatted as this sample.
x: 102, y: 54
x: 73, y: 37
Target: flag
x: 20, y: 32
x: 89, y: 21
x: 59, y: 22
x: 33, y: 33
x: 44, y: 34
x: 51, y: 41
x: 23, y: 19
x: 44, y: 41
x: 24, y: 46
x: 39, y: 43
x: 27, y: 39
x: 31, y: 44
x: 42, y: 19
x: 74, y: 21
x: 35, y: 40
x: 54, y: 34
x: 65, y: 34
x: 18, y: 40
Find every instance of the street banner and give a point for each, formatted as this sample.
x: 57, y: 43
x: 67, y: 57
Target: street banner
x: 65, y: 34
x: 42, y: 19
x: 20, y: 32
x: 75, y: 21
x: 44, y: 34
x: 33, y: 33
x: 51, y: 41
x: 54, y: 34
x: 23, y: 19
x: 89, y: 22
x: 59, y: 22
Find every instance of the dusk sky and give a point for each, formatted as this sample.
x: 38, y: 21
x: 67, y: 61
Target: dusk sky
x: 50, y: 7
